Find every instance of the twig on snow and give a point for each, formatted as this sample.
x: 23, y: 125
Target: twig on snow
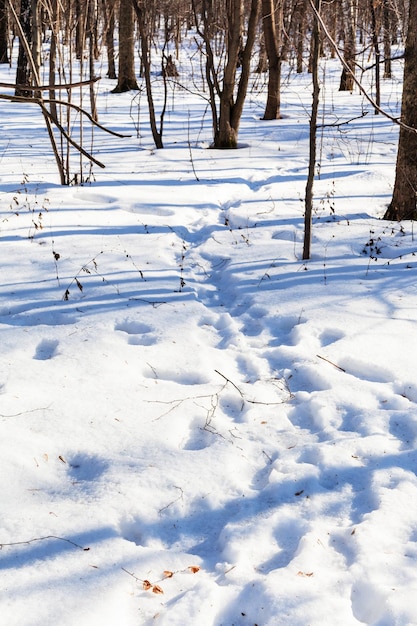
x: 331, y: 363
x: 29, y: 541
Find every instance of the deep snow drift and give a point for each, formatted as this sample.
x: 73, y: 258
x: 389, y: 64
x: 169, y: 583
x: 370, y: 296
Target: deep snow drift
x: 197, y: 427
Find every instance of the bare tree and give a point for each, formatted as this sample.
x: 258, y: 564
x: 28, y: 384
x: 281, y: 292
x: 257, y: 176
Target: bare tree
x: 227, y: 93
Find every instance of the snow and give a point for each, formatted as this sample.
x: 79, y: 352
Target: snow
x: 212, y: 431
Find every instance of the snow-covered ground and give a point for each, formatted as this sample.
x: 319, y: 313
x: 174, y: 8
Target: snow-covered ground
x: 197, y: 427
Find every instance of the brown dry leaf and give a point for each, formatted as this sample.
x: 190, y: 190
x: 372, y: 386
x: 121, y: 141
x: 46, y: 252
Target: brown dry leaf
x: 157, y: 589
x: 168, y: 574
x: 305, y: 574
x: 194, y: 569
x: 146, y: 585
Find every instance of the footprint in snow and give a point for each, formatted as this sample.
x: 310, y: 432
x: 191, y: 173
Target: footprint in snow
x: 46, y: 349
x: 86, y: 467
x: 139, y: 334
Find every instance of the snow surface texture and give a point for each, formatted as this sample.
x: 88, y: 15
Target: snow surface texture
x: 197, y: 427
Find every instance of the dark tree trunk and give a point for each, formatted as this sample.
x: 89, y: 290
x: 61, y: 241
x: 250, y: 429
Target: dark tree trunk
x: 349, y: 23
x: 143, y: 18
x: 375, y: 43
x: 127, y: 78
x: 109, y: 25
x: 272, y: 16
x: 23, y: 73
x: 386, y: 21
x: 301, y: 22
x: 231, y: 108
x: 4, y: 33
x: 315, y: 43
x: 403, y: 204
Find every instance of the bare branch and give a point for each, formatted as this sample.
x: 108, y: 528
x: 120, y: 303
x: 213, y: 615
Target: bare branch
x: 362, y: 89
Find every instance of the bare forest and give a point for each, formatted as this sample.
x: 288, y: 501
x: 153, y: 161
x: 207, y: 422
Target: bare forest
x: 60, y: 49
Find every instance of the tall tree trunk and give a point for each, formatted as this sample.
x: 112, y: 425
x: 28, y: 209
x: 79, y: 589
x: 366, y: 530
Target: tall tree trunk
x: 144, y: 27
x: 272, y: 19
x: 301, y: 23
x: 92, y: 48
x: 23, y: 73
x: 375, y: 43
x: 315, y: 42
x: 108, y: 10
x: 52, y: 56
x: 386, y: 22
x: 79, y: 28
x: 4, y: 33
x: 230, y: 110
x: 350, y: 10
x: 127, y: 78
x: 403, y: 205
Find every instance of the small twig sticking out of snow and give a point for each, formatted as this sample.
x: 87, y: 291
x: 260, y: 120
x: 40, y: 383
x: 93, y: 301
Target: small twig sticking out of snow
x: 180, y: 497
x: 21, y: 543
x: 190, y: 150
x: 235, y: 386
x: 331, y: 363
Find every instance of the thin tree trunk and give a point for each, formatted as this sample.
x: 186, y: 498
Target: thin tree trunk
x: 108, y: 10
x: 52, y: 56
x: 387, y: 39
x: 375, y: 43
x: 315, y: 42
x: 23, y: 73
x: 272, y: 17
x: 350, y: 18
x: 4, y: 33
x: 143, y: 24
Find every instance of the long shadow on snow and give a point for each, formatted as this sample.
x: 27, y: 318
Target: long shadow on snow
x: 203, y: 530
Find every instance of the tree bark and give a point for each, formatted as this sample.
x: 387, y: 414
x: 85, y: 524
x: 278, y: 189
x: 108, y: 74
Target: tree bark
x: 23, y: 73
x: 272, y: 18
x: 4, y: 33
x: 143, y: 18
x: 230, y: 108
x: 386, y: 23
x: 349, y: 9
x: 108, y: 10
x: 315, y: 42
x: 127, y: 77
x: 403, y: 204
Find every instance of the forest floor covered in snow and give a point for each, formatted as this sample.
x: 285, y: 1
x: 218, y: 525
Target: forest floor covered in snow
x: 197, y: 426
